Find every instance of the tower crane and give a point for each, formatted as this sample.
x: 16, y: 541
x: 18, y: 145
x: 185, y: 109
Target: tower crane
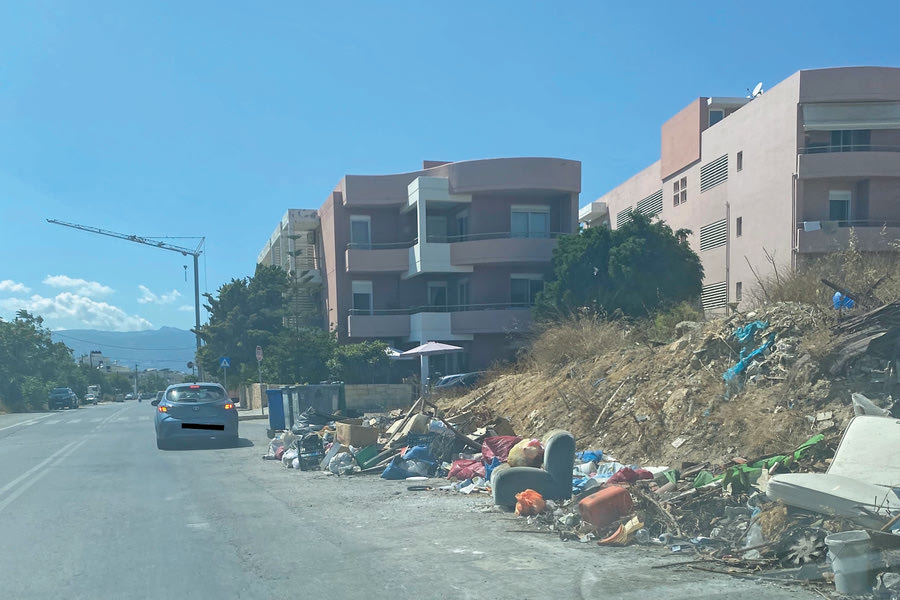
x: 196, y: 252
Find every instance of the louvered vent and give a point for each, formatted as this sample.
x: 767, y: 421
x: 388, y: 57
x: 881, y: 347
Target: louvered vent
x: 713, y: 173
x: 713, y: 235
x: 623, y: 217
x: 651, y: 205
x: 713, y: 296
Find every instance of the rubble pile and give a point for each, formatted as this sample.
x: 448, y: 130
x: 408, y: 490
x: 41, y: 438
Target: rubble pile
x: 676, y: 402
x: 765, y: 445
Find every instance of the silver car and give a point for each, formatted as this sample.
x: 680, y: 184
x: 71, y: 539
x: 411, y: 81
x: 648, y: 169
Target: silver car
x: 192, y: 411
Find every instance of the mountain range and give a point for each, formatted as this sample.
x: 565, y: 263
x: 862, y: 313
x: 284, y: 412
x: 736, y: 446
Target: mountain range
x: 164, y: 348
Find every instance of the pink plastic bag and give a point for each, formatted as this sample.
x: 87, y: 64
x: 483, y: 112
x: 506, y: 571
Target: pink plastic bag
x: 499, y: 446
x: 465, y: 469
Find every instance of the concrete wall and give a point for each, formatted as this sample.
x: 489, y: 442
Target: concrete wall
x: 385, y: 396
x: 680, y: 138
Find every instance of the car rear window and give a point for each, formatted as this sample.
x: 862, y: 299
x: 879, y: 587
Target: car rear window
x: 195, y: 393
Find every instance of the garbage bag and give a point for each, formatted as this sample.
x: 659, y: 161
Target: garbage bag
x: 341, y: 464
x: 288, y: 457
x: 526, y: 453
x: 529, y: 502
x: 489, y: 468
x: 629, y: 475
x: 401, y: 469
x: 590, y: 455
x: 419, y: 453
x: 467, y: 469
x: 499, y: 446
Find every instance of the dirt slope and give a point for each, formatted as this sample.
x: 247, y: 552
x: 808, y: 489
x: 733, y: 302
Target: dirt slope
x: 634, y: 402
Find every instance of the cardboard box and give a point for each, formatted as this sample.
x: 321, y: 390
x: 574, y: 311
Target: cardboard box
x: 351, y: 433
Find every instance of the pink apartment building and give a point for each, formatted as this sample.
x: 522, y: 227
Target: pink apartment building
x: 453, y: 253
x: 788, y: 172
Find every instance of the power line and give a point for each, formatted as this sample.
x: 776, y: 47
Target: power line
x: 117, y: 347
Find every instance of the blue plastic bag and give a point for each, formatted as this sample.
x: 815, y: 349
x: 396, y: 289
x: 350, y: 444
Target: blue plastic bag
x: 590, y: 455
x: 419, y: 453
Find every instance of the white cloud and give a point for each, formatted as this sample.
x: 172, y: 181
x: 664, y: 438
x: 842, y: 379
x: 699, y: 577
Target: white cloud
x: 72, y: 311
x: 186, y: 308
x: 80, y: 287
x: 148, y: 297
x: 8, y: 285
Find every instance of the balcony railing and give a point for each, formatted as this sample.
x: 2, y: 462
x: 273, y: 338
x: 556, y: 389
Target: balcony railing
x: 829, y: 148
x: 435, y: 308
x: 382, y: 246
x: 826, y: 224
x: 468, y: 237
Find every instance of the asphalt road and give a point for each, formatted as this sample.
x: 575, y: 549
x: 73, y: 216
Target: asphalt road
x: 89, y: 508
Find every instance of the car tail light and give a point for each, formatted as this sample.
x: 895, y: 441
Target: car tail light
x: 162, y: 409
x: 229, y: 406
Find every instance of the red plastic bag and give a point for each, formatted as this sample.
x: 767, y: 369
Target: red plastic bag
x: 628, y: 475
x: 279, y: 453
x: 529, y: 502
x: 465, y: 469
x: 499, y: 446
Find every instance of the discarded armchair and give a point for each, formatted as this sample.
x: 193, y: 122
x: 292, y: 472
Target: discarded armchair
x: 554, y: 481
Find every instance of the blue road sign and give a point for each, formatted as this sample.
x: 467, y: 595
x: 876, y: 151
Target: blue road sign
x: 224, y: 362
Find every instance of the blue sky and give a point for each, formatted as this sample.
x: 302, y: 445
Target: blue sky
x: 212, y: 118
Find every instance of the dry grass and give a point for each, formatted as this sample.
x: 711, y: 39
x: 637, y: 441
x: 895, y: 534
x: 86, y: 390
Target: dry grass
x: 578, y: 338
x: 873, y: 274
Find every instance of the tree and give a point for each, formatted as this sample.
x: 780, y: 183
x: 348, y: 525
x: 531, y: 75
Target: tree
x: 246, y: 313
x: 639, y: 269
x: 31, y: 363
x: 359, y: 363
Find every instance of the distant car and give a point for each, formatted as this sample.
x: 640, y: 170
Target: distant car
x: 458, y: 381
x: 91, y: 398
x: 194, y: 410
x: 62, y: 397
x: 119, y: 398
x: 129, y: 396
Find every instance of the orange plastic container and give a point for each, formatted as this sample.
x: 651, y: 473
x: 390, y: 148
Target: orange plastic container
x: 605, y: 506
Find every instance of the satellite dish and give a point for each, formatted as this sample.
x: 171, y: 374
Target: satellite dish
x: 757, y: 90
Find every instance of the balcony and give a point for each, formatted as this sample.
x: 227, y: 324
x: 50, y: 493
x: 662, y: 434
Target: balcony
x: 821, y: 237
x: 454, y: 322
x: 501, y: 248
x: 863, y: 160
x: 377, y: 325
x: 377, y: 258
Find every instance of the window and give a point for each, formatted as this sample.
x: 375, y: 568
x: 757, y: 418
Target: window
x: 462, y: 293
x: 856, y: 140
x: 524, y: 289
x: 739, y: 227
x: 715, y: 116
x: 361, y: 231
x: 530, y: 221
x: 362, y: 297
x: 437, y: 294
x: 740, y: 160
x: 738, y: 290
x: 462, y: 226
x: 680, y: 191
x: 436, y: 228
x: 839, y: 205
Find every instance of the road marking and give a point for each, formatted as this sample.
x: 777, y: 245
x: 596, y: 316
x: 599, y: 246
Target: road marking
x: 96, y: 420
x: 75, y: 421
x: 30, y: 422
x: 60, y: 454
x: 53, y: 422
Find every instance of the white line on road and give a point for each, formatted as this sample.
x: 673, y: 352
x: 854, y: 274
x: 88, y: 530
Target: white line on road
x: 75, y: 421
x: 30, y: 422
x: 53, y: 422
x: 60, y: 454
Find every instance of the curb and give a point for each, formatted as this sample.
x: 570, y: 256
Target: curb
x: 252, y: 417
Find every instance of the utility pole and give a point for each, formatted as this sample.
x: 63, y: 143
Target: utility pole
x: 135, y: 381
x: 164, y: 246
